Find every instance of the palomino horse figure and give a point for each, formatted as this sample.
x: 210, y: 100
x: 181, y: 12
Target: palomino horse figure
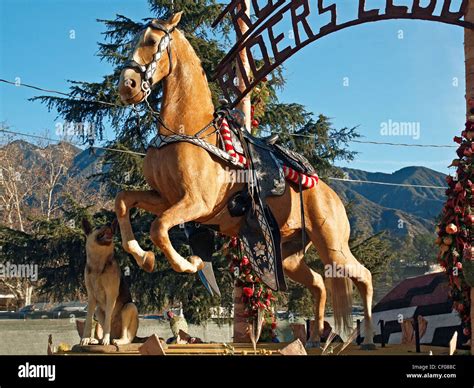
x: 186, y: 187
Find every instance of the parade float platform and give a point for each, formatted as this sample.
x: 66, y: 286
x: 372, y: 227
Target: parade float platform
x: 245, y: 349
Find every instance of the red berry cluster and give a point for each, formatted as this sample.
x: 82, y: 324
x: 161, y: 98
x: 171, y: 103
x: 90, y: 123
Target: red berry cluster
x: 255, y: 294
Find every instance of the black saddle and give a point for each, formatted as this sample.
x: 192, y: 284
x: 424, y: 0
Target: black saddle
x: 284, y: 155
x: 260, y: 233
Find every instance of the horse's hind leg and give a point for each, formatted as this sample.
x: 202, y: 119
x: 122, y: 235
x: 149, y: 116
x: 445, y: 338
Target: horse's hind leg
x: 329, y: 230
x: 362, y: 278
x: 296, y: 269
x: 147, y: 200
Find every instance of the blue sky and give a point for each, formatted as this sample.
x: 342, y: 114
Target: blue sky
x: 369, y: 76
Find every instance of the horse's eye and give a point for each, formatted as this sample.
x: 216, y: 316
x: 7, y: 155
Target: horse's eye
x: 151, y: 42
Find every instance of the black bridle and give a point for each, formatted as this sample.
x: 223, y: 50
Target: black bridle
x: 147, y: 71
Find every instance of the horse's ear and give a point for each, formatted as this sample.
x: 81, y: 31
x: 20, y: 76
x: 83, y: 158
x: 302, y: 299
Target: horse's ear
x: 174, y: 19
x: 86, y: 226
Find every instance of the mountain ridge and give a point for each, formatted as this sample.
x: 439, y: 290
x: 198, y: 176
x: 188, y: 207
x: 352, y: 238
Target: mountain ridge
x: 372, y: 208
x: 402, y: 209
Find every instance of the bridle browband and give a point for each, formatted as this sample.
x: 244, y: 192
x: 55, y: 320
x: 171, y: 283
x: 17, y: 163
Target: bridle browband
x: 147, y: 71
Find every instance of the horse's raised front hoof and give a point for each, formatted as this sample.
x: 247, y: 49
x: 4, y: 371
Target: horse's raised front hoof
x: 148, y: 263
x: 197, y: 262
x: 368, y: 347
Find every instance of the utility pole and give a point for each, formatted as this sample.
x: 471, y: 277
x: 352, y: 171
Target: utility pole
x: 245, y: 103
x: 241, y: 325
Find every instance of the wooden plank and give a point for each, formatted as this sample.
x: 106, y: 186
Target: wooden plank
x: 235, y: 345
x: 296, y: 348
x: 152, y: 347
x: 246, y: 349
x: 105, y: 348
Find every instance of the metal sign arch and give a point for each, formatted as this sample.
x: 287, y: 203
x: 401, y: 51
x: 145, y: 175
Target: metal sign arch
x: 269, y: 13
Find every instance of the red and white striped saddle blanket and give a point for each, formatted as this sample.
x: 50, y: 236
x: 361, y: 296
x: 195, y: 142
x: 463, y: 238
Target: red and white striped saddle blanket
x: 307, y: 181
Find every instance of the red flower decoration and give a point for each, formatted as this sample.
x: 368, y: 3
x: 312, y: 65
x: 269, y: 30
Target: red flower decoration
x: 248, y: 292
x: 255, y: 293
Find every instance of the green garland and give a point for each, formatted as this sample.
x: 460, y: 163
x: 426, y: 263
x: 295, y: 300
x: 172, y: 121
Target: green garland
x: 455, y: 229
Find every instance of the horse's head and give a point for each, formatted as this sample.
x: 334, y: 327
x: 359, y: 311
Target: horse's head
x: 150, y: 61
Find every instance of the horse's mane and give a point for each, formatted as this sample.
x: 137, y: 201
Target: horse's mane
x: 191, y: 62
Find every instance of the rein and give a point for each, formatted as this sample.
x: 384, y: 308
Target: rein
x: 147, y: 72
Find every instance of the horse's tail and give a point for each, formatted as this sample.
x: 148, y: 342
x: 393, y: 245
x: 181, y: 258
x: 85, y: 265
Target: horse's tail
x: 341, y: 297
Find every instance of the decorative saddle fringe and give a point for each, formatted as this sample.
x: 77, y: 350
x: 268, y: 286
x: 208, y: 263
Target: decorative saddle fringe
x: 307, y: 181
